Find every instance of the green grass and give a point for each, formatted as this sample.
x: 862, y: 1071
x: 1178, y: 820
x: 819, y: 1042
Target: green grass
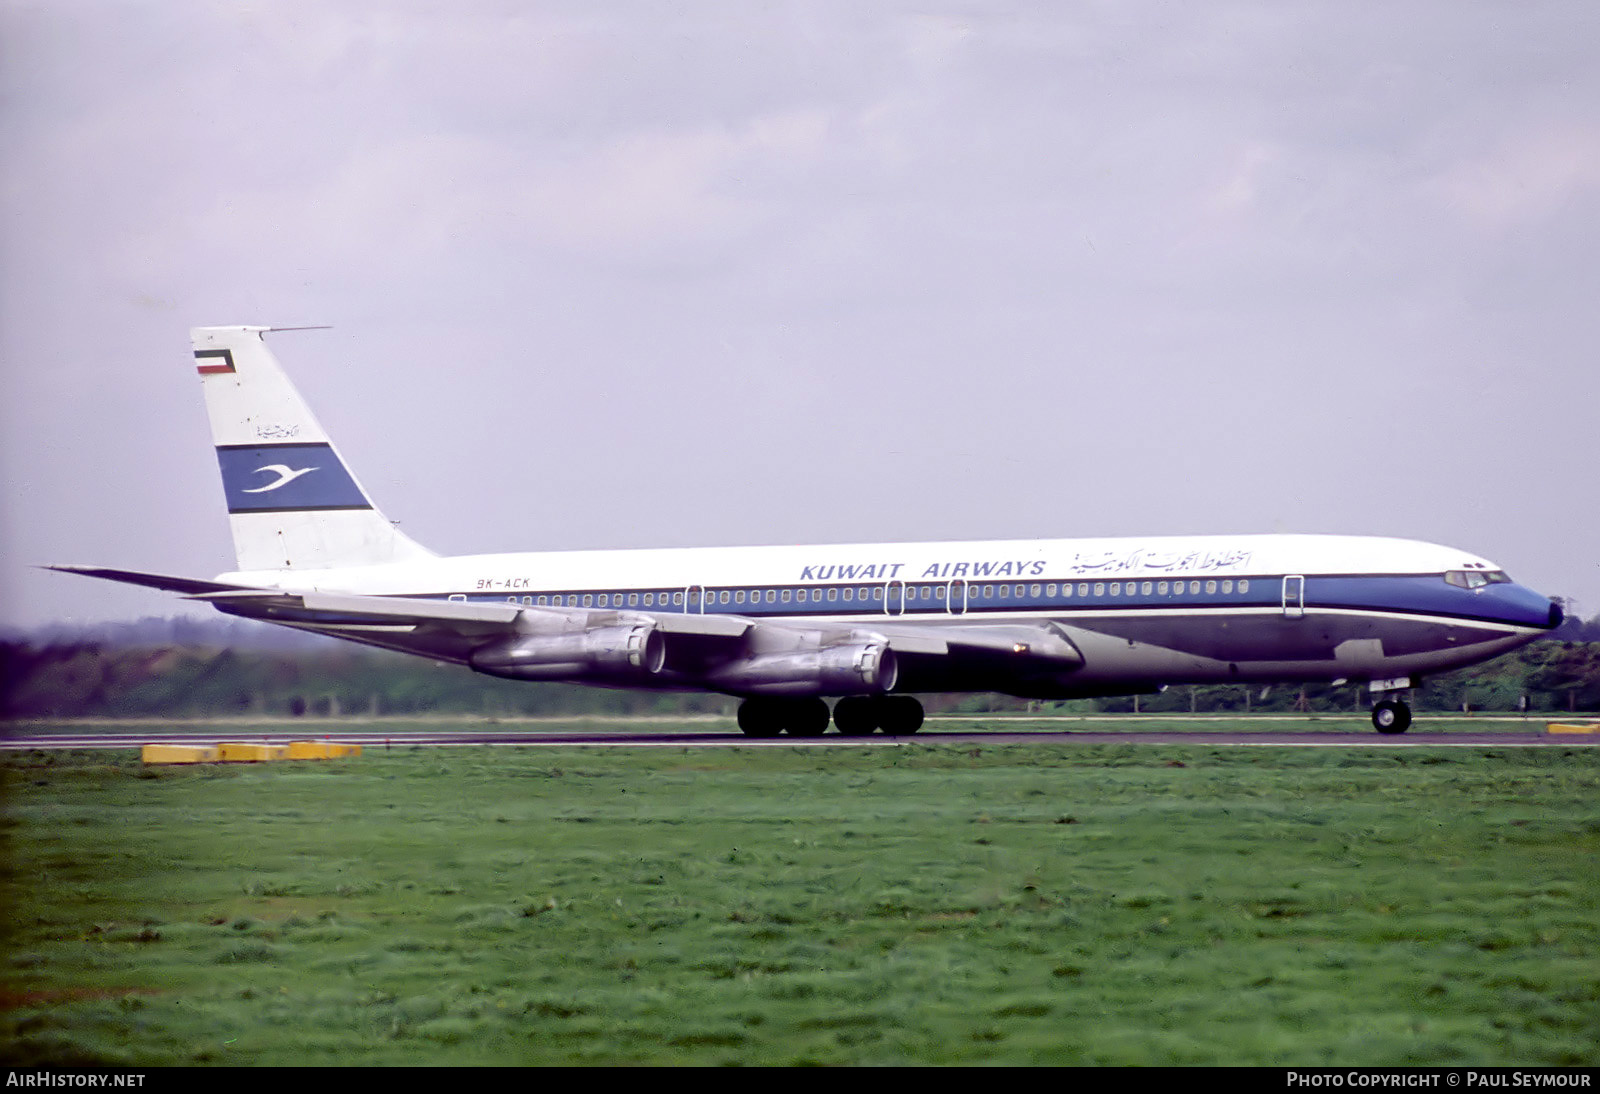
x: 932, y: 904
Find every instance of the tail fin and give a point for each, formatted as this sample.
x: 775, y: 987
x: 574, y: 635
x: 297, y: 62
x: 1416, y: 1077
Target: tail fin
x: 292, y: 502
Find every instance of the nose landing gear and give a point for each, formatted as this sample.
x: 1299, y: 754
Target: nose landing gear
x: 1391, y: 716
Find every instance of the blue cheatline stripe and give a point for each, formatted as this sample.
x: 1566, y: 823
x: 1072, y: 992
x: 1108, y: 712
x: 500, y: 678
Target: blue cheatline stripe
x: 918, y: 600
x: 279, y: 478
x: 1407, y: 594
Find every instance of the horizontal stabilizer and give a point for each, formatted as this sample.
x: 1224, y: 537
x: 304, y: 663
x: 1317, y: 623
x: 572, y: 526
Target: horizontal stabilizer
x: 187, y: 585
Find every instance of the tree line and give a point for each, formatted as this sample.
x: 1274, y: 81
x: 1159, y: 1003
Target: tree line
x: 183, y: 669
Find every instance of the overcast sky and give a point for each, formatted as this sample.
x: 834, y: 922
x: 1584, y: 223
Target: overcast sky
x: 612, y: 274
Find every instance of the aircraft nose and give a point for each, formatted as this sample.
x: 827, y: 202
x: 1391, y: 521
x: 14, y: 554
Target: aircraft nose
x: 1556, y: 615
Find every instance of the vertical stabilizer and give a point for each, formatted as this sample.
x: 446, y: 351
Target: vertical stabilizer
x: 292, y: 502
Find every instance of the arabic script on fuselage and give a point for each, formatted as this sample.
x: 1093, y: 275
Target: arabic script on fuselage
x: 1083, y: 563
x: 1165, y: 562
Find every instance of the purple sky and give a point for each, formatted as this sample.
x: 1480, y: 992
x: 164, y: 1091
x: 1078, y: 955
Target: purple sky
x: 706, y: 273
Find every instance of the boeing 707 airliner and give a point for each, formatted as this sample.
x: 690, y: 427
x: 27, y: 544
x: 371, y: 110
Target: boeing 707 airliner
x: 869, y: 625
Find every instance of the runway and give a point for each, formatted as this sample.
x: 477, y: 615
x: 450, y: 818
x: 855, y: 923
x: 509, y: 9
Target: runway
x: 629, y: 734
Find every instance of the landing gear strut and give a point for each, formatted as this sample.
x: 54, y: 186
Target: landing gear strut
x: 1391, y: 716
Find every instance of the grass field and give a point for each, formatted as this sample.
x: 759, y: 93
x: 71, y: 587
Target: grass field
x: 1037, y: 903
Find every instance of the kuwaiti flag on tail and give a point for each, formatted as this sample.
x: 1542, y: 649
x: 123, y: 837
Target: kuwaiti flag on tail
x: 213, y: 361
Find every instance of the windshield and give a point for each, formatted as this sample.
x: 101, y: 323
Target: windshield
x: 1476, y: 579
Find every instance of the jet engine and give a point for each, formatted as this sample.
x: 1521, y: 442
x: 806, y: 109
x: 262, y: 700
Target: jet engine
x: 866, y: 668
x: 621, y: 653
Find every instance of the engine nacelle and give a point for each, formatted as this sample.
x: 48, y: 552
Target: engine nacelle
x: 863, y: 669
x: 622, y: 653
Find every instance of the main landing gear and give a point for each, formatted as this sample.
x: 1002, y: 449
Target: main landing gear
x: 859, y: 715
x: 855, y: 715
x: 1391, y: 716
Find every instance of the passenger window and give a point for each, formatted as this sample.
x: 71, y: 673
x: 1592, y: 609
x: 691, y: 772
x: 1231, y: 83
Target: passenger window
x: 1050, y: 589
x: 1146, y: 588
x: 1244, y: 586
x: 1161, y: 588
x: 1227, y: 586
x: 1211, y: 588
x: 786, y: 596
x: 588, y: 600
x: 677, y: 598
x: 1194, y: 586
x: 833, y: 594
x: 1099, y: 588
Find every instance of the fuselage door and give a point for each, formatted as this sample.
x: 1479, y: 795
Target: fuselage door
x: 1294, y: 597
x: 694, y: 601
x: 958, y: 596
x: 894, y: 597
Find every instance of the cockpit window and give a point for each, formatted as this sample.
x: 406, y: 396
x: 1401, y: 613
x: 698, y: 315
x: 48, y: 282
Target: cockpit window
x: 1476, y: 579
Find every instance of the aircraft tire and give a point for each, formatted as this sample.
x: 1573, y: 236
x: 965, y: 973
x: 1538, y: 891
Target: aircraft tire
x: 760, y: 718
x: 899, y: 715
x: 805, y: 718
x: 1391, y: 716
x: 855, y: 716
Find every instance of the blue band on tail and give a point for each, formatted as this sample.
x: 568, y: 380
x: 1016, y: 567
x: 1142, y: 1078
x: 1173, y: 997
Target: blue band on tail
x: 277, y: 478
